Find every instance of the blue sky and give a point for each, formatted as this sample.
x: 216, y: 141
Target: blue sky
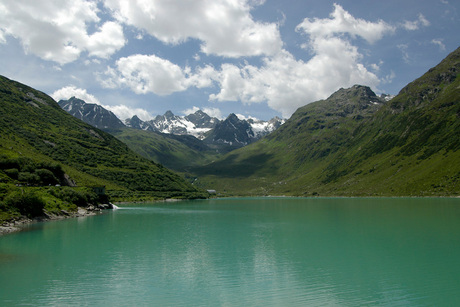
x: 251, y: 57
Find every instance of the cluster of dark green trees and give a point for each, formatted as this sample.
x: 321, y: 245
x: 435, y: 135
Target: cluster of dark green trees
x: 25, y: 171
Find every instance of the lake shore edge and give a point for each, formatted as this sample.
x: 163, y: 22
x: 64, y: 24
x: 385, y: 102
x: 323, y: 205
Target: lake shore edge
x: 22, y: 222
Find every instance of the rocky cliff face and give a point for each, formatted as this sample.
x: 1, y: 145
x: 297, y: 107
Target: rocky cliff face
x: 202, y: 120
x: 232, y: 131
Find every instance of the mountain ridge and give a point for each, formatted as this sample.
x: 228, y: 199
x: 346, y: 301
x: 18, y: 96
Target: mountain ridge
x: 200, y: 124
x: 231, y: 132
x: 356, y: 144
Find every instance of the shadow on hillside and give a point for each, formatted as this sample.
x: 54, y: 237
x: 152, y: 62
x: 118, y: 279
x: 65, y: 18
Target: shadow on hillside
x: 230, y: 168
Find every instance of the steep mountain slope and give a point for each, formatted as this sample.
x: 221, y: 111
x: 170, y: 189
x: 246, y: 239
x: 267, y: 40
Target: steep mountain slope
x: 355, y: 144
x: 91, y: 113
x: 418, y: 135
x: 33, y: 125
x: 313, y: 132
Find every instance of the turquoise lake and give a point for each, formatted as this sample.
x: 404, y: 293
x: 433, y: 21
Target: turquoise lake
x: 241, y: 252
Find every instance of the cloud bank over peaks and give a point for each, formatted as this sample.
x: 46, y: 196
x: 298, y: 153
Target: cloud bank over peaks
x: 282, y: 81
x: 58, y: 30
x: 225, y: 28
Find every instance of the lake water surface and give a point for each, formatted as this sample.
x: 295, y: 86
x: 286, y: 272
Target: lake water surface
x: 241, y: 252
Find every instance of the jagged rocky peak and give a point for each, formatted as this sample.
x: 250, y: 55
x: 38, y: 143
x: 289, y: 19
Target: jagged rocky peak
x: 91, y: 113
x: 361, y: 92
x: 70, y: 103
x: 169, y: 114
x: 233, y: 118
x: 232, y: 131
x: 353, y: 101
x: 134, y: 122
x: 202, y: 120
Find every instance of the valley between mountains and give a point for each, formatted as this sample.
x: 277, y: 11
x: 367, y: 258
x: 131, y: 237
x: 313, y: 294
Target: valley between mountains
x: 353, y: 143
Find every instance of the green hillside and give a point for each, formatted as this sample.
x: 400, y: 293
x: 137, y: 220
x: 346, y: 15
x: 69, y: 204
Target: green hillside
x: 39, y: 139
x: 176, y: 152
x: 352, y: 144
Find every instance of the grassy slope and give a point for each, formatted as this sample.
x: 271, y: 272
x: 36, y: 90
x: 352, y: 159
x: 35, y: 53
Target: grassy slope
x: 409, y: 147
x: 33, y: 125
x: 176, y: 154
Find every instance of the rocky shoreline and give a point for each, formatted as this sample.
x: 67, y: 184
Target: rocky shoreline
x: 20, y: 223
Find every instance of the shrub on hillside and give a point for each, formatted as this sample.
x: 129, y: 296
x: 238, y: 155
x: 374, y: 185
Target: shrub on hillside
x: 29, y: 178
x: 71, y: 195
x: 26, y: 203
x: 12, y: 173
x: 46, y: 177
x: 27, y: 171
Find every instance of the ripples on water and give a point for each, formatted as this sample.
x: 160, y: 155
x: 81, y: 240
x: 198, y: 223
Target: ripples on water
x: 241, y: 252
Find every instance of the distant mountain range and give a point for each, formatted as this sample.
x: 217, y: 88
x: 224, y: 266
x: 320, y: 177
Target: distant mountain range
x: 196, y: 124
x: 222, y: 135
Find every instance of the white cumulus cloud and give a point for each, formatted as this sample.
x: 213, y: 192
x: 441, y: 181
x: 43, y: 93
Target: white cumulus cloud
x: 282, y: 81
x: 342, y: 22
x: 286, y: 83
x: 151, y: 74
x: 72, y: 91
x: 224, y: 27
x: 58, y: 30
